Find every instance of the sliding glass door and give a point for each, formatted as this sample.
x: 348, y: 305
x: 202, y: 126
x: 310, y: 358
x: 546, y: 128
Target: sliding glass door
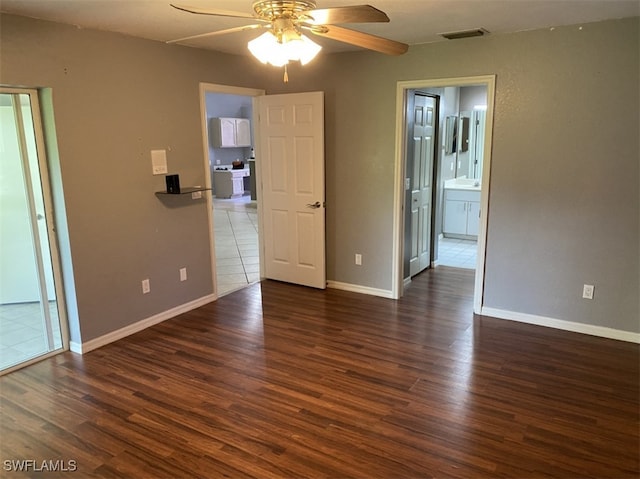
x: 30, y: 310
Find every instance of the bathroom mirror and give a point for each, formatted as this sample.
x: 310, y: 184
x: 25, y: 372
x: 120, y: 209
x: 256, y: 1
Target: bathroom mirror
x: 471, y: 125
x: 450, y: 135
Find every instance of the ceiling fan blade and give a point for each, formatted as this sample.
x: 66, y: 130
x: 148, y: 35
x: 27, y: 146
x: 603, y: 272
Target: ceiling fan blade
x: 364, y: 40
x: 206, y: 11
x: 219, y: 32
x: 352, y: 14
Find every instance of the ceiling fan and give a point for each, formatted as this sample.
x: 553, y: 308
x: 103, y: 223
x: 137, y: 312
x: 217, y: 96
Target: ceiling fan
x: 285, y: 21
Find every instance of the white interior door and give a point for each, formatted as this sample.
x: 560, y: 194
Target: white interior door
x: 291, y: 156
x: 421, y: 182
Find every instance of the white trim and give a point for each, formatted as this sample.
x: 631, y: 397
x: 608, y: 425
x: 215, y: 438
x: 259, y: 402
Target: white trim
x: 354, y: 288
x: 398, y: 217
x: 562, y: 324
x: 96, y: 343
x: 225, y: 90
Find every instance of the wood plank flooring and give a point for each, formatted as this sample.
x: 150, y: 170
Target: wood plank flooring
x: 281, y: 381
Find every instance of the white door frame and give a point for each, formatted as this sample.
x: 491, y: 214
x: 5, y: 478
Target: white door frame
x: 402, y: 87
x: 229, y: 90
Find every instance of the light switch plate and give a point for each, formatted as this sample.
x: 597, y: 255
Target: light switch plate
x: 159, y: 162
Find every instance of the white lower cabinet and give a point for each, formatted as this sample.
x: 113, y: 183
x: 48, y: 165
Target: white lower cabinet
x: 473, y: 218
x: 461, y: 212
x: 229, y: 183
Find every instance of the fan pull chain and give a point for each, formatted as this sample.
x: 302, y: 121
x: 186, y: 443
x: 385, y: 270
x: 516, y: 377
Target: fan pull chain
x: 286, y: 74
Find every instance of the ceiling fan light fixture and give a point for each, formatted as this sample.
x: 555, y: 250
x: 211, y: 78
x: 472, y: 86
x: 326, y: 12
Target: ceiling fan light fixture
x: 266, y: 49
x: 302, y: 49
x: 291, y: 46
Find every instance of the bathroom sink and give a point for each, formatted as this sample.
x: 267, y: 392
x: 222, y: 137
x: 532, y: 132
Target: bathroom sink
x: 462, y: 184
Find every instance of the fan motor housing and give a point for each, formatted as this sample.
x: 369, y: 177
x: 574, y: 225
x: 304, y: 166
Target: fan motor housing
x: 273, y: 9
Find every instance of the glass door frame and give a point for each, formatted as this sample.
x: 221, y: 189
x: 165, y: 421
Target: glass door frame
x: 44, y: 181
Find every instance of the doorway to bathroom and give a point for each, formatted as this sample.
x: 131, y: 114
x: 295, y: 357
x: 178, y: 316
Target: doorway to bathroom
x: 460, y: 176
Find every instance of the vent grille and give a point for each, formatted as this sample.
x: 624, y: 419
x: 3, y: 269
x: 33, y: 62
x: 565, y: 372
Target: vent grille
x: 476, y: 32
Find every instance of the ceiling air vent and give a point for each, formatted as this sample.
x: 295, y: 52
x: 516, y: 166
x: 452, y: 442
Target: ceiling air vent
x: 477, y: 32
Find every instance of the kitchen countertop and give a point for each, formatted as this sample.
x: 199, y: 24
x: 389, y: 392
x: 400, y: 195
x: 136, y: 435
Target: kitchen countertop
x: 229, y: 168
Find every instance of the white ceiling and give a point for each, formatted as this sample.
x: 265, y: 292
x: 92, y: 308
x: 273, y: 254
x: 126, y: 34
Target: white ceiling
x: 412, y: 21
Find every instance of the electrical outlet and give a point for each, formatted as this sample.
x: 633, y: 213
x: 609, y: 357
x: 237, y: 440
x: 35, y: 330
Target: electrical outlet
x: 358, y: 259
x: 587, y: 291
x: 183, y: 274
x: 146, y: 287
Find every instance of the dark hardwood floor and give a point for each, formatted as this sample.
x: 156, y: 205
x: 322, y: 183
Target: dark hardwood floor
x: 281, y: 381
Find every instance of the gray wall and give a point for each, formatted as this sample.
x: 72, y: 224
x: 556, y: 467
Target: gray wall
x: 564, y: 204
x: 563, y: 201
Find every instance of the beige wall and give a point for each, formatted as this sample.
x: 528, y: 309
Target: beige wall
x: 563, y: 196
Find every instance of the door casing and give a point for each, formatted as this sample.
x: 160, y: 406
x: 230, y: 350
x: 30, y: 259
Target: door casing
x: 402, y: 87
x: 225, y: 89
x: 229, y: 90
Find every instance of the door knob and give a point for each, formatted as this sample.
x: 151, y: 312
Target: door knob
x: 315, y: 205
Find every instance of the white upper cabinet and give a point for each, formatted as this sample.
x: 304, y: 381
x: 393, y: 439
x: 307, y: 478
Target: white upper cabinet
x: 231, y: 132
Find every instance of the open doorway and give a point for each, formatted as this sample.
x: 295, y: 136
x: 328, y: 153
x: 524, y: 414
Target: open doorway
x: 228, y: 142
x: 460, y: 177
x: 447, y: 166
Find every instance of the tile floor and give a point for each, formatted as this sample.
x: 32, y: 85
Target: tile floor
x: 22, y: 333
x: 235, y: 224
x: 457, y: 253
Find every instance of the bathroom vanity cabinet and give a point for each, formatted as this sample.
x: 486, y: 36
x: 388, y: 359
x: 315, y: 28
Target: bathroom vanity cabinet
x: 461, y: 213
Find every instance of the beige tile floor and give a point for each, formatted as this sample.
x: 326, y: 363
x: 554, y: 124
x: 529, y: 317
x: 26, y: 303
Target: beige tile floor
x: 22, y: 333
x: 458, y: 253
x: 235, y: 224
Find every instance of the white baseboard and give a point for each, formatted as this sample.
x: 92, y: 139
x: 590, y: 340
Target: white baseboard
x: 96, y: 343
x: 354, y: 288
x: 600, y: 331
